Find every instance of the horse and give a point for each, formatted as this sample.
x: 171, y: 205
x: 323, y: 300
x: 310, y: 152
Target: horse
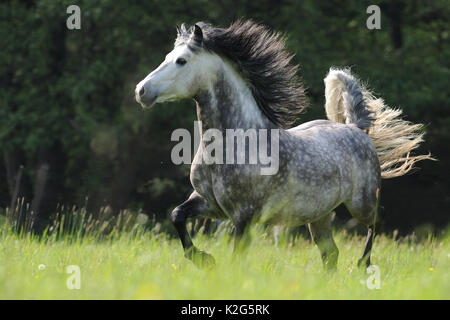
x: 242, y: 77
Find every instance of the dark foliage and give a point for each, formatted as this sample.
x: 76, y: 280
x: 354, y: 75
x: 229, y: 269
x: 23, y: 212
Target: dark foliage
x: 70, y: 126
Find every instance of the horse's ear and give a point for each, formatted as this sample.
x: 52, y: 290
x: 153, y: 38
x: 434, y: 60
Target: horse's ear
x: 198, y: 33
x: 178, y: 29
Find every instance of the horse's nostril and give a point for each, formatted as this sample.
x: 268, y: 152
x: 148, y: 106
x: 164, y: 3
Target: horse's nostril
x: 141, y: 92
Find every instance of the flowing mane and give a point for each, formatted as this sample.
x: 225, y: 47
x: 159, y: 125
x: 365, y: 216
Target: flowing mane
x: 261, y: 57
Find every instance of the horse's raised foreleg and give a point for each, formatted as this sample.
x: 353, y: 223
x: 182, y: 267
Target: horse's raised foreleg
x: 194, y: 206
x: 321, y: 234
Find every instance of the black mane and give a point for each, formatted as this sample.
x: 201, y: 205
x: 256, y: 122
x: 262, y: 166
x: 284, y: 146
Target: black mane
x: 262, y: 59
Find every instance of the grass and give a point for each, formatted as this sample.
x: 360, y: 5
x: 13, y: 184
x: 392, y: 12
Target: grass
x: 140, y: 264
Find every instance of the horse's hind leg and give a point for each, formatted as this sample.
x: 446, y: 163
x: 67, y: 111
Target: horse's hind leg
x: 194, y: 206
x: 365, y: 258
x: 322, y: 235
x: 366, y: 212
x: 373, y: 229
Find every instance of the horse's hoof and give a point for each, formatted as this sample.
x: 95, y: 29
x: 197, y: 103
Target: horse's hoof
x: 201, y: 259
x: 363, y: 263
x: 330, y: 268
x: 204, y: 260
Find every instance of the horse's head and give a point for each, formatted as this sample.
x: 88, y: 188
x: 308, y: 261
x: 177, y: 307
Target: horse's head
x: 182, y: 74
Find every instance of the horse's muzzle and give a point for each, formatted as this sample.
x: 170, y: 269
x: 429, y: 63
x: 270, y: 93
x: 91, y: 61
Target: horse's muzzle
x: 144, y: 96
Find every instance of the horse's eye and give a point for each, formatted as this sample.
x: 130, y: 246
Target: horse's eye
x: 181, y: 61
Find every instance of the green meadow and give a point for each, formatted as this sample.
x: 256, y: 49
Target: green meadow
x: 143, y: 263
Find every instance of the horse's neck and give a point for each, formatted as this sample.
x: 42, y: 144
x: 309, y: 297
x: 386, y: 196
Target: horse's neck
x: 228, y: 103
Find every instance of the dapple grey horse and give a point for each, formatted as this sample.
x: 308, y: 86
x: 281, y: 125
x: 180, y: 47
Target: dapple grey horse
x: 242, y: 77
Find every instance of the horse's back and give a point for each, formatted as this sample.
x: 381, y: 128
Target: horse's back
x: 351, y: 151
x: 310, y: 124
x: 336, y: 137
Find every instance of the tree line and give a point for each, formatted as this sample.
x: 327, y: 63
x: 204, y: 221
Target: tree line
x: 71, y: 132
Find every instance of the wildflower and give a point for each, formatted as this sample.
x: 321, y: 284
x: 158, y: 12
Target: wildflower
x: 149, y: 291
x: 294, y: 287
x: 430, y: 269
x: 174, y: 267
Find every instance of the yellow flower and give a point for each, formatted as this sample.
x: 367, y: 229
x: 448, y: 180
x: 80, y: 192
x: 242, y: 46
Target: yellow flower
x: 430, y: 269
x: 36, y: 277
x: 174, y: 267
x: 149, y: 292
x: 294, y: 287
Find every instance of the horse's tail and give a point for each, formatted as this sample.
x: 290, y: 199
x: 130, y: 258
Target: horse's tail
x: 348, y: 101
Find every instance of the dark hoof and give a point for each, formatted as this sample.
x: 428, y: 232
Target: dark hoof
x: 201, y: 259
x: 364, y: 263
x: 330, y: 268
x: 330, y: 262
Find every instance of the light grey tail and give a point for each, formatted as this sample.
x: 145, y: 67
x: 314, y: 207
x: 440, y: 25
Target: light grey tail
x: 344, y: 99
x: 347, y: 101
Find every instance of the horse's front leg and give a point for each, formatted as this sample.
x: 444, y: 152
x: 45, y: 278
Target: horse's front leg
x: 194, y: 206
x: 321, y: 233
x: 242, y: 237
